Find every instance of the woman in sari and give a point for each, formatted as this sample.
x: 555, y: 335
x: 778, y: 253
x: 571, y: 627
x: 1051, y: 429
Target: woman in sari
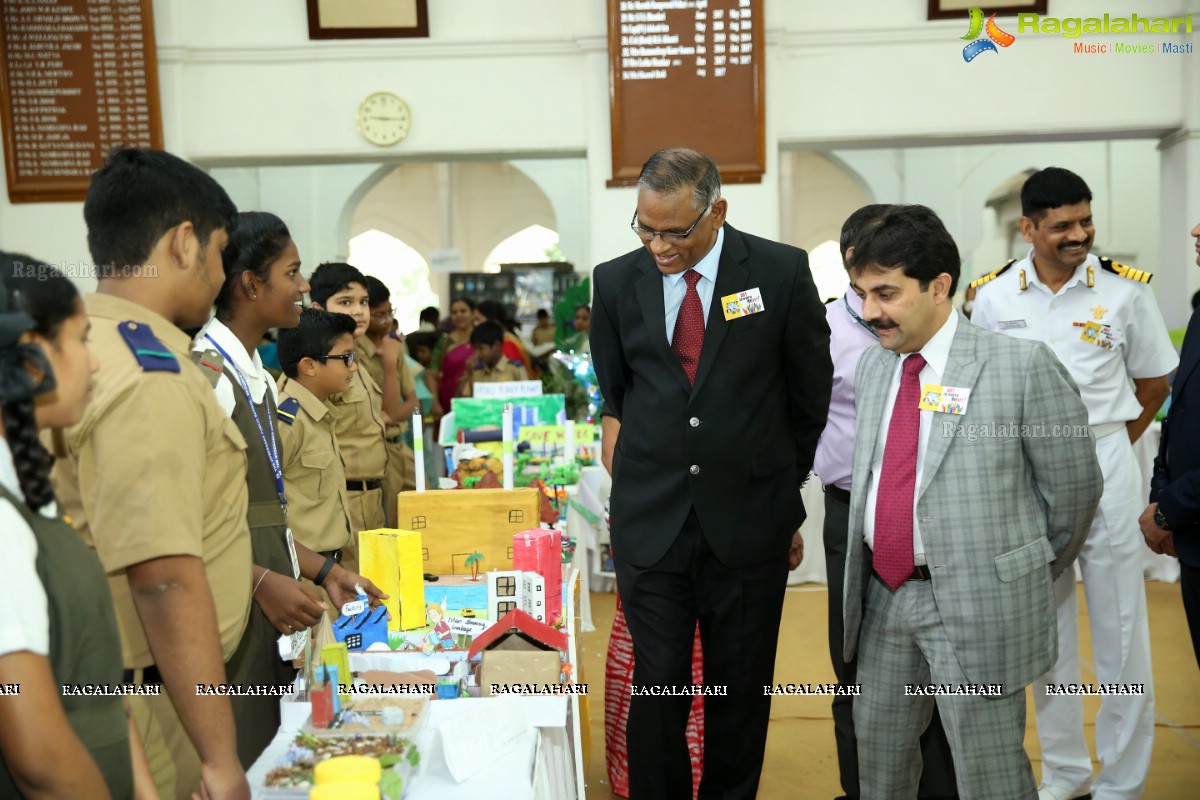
x: 451, y: 356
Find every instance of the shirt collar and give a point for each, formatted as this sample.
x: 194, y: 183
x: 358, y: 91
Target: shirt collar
x: 250, y: 365
x: 708, y: 265
x: 1077, y: 277
x: 308, y: 401
x: 9, y: 480
x: 116, y: 308
x: 936, y: 351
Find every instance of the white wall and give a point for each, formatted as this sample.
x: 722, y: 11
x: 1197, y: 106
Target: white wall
x: 243, y: 87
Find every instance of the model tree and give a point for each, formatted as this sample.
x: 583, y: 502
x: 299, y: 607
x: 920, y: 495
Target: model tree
x: 473, y: 562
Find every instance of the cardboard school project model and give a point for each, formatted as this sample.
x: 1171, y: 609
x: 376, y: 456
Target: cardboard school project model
x: 540, y: 551
x: 455, y: 524
x: 513, y: 589
x: 519, y: 650
x: 392, y: 559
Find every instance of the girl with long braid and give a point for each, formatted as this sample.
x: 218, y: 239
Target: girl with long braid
x: 58, y: 630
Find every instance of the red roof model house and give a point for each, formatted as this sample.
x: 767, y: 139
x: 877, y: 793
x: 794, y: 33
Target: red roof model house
x: 518, y: 651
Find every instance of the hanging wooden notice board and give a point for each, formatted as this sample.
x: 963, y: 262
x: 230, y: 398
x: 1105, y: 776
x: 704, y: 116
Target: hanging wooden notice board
x: 687, y: 73
x: 77, y: 78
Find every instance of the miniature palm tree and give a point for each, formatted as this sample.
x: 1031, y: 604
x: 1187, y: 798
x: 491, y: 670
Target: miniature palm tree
x: 473, y: 562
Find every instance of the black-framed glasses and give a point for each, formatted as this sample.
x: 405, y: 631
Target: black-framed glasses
x: 345, y: 358
x: 670, y: 237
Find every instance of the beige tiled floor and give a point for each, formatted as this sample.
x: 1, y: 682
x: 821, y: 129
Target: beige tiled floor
x: 801, y: 762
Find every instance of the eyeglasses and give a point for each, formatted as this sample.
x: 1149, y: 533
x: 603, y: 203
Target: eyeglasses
x: 383, y: 316
x: 345, y: 358
x: 670, y: 237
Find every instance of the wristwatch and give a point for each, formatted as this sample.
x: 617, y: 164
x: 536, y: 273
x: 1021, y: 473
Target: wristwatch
x: 1160, y: 519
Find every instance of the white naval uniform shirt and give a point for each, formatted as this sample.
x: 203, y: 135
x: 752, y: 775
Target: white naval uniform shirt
x: 1127, y: 310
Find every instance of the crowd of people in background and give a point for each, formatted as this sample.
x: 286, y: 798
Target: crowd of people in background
x: 180, y: 490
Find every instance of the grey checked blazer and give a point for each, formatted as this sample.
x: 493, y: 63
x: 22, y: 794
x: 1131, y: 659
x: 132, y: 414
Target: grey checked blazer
x: 1003, y: 506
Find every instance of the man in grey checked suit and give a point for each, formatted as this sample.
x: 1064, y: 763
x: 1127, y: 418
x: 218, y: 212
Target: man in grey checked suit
x: 969, y: 511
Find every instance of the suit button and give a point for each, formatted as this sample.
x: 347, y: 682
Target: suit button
x: 694, y: 422
x: 694, y: 469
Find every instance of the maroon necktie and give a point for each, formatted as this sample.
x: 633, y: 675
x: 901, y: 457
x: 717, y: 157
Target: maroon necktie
x: 689, y: 327
x: 893, y: 551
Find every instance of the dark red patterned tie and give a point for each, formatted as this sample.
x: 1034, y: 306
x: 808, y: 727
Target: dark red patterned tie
x: 689, y: 327
x: 893, y: 552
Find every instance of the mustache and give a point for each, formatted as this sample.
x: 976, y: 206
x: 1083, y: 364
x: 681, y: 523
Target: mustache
x: 881, y: 324
x: 1065, y: 245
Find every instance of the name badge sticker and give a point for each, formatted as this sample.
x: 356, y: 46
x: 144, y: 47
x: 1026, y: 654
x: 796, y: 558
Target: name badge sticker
x: 1011, y: 324
x: 946, y: 399
x: 1099, y: 334
x: 742, y: 304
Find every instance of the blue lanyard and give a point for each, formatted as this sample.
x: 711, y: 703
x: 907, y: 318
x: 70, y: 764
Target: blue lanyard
x: 272, y: 448
x: 850, y: 310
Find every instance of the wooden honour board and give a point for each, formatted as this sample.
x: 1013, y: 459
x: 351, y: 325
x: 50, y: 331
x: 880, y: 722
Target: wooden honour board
x: 687, y: 73
x: 77, y: 78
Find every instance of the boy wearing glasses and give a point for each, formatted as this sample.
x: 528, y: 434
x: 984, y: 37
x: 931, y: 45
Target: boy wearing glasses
x: 358, y: 411
x: 317, y: 358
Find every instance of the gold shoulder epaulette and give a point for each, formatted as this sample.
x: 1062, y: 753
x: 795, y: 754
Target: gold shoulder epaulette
x: 1126, y: 271
x: 991, y: 276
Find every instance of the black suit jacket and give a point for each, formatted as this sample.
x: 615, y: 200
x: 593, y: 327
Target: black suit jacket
x: 738, y: 444
x: 1176, y: 482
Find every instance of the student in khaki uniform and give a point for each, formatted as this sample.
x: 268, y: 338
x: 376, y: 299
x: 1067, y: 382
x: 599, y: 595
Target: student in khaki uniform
x: 490, y: 364
x: 318, y: 361
x: 358, y: 411
x: 154, y: 476
x: 264, y: 289
x: 401, y: 472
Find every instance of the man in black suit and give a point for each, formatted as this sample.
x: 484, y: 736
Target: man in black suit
x: 1171, y: 523
x: 712, y: 352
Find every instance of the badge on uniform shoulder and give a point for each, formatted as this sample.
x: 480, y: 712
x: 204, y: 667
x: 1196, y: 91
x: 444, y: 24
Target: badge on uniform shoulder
x: 211, y: 363
x: 742, y: 304
x: 286, y: 411
x: 946, y: 399
x: 151, y: 354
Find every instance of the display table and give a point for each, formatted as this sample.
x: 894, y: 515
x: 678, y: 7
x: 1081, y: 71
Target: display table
x: 543, y: 761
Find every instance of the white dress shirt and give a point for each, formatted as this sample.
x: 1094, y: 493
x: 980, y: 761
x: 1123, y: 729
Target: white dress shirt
x: 1126, y: 308
x: 251, y: 366
x: 24, y: 615
x: 936, y: 352
x: 675, y: 287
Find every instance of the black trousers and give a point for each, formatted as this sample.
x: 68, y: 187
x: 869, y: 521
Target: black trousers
x: 1189, y: 584
x: 739, y: 612
x: 937, y: 777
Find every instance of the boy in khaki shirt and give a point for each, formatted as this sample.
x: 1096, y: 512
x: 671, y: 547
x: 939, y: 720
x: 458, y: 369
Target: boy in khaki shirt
x: 490, y: 364
x: 317, y: 357
x: 154, y: 475
x: 359, y: 411
x: 314, y: 358
x: 400, y: 475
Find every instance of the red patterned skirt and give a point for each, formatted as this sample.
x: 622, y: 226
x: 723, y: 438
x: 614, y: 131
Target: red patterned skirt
x: 618, y: 682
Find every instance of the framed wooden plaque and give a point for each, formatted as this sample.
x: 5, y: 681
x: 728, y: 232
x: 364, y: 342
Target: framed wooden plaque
x: 77, y: 78
x: 958, y: 9
x: 685, y: 76
x: 367, y: 19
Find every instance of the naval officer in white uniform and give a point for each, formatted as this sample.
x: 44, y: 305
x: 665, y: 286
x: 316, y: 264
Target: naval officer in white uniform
x: 1103, y: 322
